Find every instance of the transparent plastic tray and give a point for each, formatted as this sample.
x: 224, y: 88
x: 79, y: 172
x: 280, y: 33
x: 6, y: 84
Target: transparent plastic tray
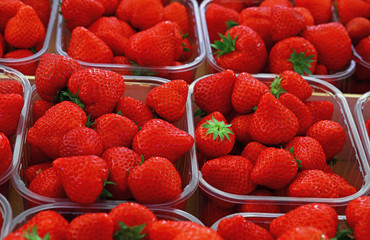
x: 352, y: 164
x: 362, y: 113
x: 17, y: 140
x: 36, y: 57
x: 136, y: 87
x: 195, y: 38
x: 6, y: 213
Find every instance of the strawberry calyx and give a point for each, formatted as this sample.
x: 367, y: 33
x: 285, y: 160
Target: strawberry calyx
x: 105, y: 193
x: 34, y: 236
x: 344, y: 234
x: 227, y: 44
x: 218, y: 129
x: 141, y: 72
x: 66, y: 95
x: 299, y: 162
x: 89, y: 121
x: 333, y: 162
x: 276, y: 89
x: 301, y: 63
x: 231, y: 24
x: 200, y: 113
x: 129, y: 233
x: 184, y: 36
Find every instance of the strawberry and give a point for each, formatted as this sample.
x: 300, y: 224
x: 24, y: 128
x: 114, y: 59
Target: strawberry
x: 218, y: 116
x: 348, y: 9
x: 200, y: 233
x: 42, y: 9
x: 320, y: 9
x: 263, y: 208
x: 299, y: 109
x: 99, y: 89
x: 217, y: 17
x: 91, y: 226
x: 176, y: 12
x: 86, y: 46
x: 15, y: 236
x: 293, y: 83
x: 11, y: 86
x: 113, y: 32
x: 293, y: 54
x: 237, y: 227
x: 262, y: 126
x: 332, y: 44
x: 240, y: 128
x: 321, y: 70
x: 312, y: 183
x: 357, y: 210
x: 159, y: 45
x: 275, y: 168
x: 81, y: 12
x: 8, y: 9
x: 47, y: 184
x: 247, y: 92
x: 213, y: 93
x: 162, y: 139
x: 48, y: 131
x: 229, y: 173
x: 122, y: 60
x: 367, y: 124
x: 330, y: 135
x: 344, y: 188
x: 26, y: 69
x: 32, y: 171
x: 141, y: 14
x: 237, y: 6
x: 211, y: 213
x: 6, y: 153
x: 135, y: 110
x: 37, y: 156
x: 187, y: 52
x: 109, y: 6
x: 309, y: 20
x: 309, y: 152
x: 286, y: 22
x: 168, y: 230
x: 362, y: 229
x: 358, y: 28
x: 155, y: 181
x: 317, y: 215
x: 39, y: 109
x: 121, y: 161
x: 303, y: 233
x: 320, y: 110
x: 363, y: 48
x: 272, y: 3
x: 2, y: 45
x: 239, y: 48
x: 252, y: 151
x: 10, y: 109
x: 24, y: 30
x: 82, y: 177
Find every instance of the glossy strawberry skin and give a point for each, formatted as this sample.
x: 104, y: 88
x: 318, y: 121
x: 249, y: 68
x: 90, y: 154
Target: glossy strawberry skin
x: 303, y: 233
x: 47, y: 184
x: 344, y: 188
x: 168, y: 230
x: 26, y: 69
x: 200, y: 233
x: 263, y: 208
x: 320, y: 110
x: 176, y: 12
x: 272, y: 3
x: 358, y: 28
x: 10, y: 110
x: 286, y: 22
x: 252, y: 150
x: 349, y: 9
x: 32, y: 171
x: 357, y: 209
x: 8, y: 9
x: 135, y: 110
x: 6, y: 153
x: 240, y: 128
x: 294, y: 83
x: 362, y: 229
x: 42, y: 9
x: 11, y: 86
x: 320, y: 9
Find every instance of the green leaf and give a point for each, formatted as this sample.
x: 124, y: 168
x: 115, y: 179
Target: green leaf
x: 141, y: 72
x: 200, y: 113
x: 301, y: 63
x: 276, y: 89
x: 226, y: 45
x: 105, y: 193
x: 120, y: 113
x: 66, y: 95
x: 231, y: 24
x: 32, y: 235
x: 129, y: 233
x: 218, y: 129
x: 89, y: 122
x: 333, y: 162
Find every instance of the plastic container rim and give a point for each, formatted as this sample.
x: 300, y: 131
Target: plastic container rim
x: 361, y: 122
x: 7, y: 216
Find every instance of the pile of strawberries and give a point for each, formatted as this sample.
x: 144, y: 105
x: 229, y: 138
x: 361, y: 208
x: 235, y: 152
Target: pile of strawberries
x: 23, y: 25
x: 277, y: 36
x: 94, y: 137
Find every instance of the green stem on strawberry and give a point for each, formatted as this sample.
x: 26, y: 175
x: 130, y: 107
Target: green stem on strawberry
x: 89, y: 121
x: 218, y: 129
x: 66, y: 95
x: 105, y: 193
x: 301, y: 63
x: 344, y: 234
x: 129, y: 233
x: 297, y: 160
x: 227, y: 44
x: 276, y: 89
x: 200, y: 113
x: 34, y: 236
x: 231, y: 24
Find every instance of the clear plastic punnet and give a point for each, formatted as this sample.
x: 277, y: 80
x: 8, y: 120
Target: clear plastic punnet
x: 352, y: 163
x: 362, y: 114
x: 138, y: 88
x: 195, y: 37
x: 6, y: 213
x: 12, y: 62
x: 17, y: 140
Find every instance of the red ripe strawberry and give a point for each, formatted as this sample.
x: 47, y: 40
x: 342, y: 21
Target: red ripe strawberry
x: 293, y: 54
x: 306, y: 14
x: 237, y: 6
x: 293, y: 83
x: 286, y: 22
x: 155, y: 181
x: 238, y: 227
x: 42, y: 9
x: 159, y: 45
x: 99, y: 89
x: 10, y: 109
x: 367, y: 124
x: 320, y: 110
x: 263, y: 208
x: 26, y: 69
x: 303, y: 233
x: 358, y: 28
x: 37, y: 156
x: 32, y: 171
x: 241, y: 49
x: 2, y: 45
x: 6, y: 153
x: 362, y: 229
x: 363, y: 48
x: 176, y: 12
x: 81, y: 141
x: 201, y: 233
x: 229, y: 173
x: 240, y: 128
x: 357, y: 210
x: 82, y: 177
x: 86, y: 46
x: 121, y: 161
x: 320, y: 9
x: 213, y: 93
x: 309, y: 152
x: 110, y: 6
x: 211, y: 213
x: 252, y: 151
x: 122, y: 60
x: 47, y: 184
x: 217, y: 17
x: 8, y: 9
x: 113, y: 32
x: 162, y: 139
x: 11, y: 86
x: 332, y: 44
x: 317, y: 215
x: 15, y: 236
x: 91, y: 226
x: 299, y: 109
x: 330, y: 135
x: 321, y: 70
x: 135, y: 110
x: 141, y: 14
x: 272, y: 3
x: 344, y: 188
x: 348, y: 9
x: 214, y: 138
x: 81, y: 12
x: 263, y: 127
x: 24, y: 30
x: 39, y: 109
x: 115, y: 130
x: 169, y: 102
x: 168, y: 230
x: 216, y: 114
x: 48, y: 131
x: 247, y: 92
x: 314, y: 184
x: 47, y: 222
x: 132, y: 214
